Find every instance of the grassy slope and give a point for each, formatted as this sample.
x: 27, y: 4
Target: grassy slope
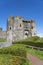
x: 35, y: 41
x: 6, y: 59
x: 34, y: 52
x: 9, y: 56
x: 2, y: 40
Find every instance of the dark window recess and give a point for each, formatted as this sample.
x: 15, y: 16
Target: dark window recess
x: 28, y: 21
x: 20, y: 25
x: 26, y: 34
x: 10, y: 28
x: 32, y: 27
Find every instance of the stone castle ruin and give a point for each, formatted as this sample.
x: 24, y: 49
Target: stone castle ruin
x: 18, y: 28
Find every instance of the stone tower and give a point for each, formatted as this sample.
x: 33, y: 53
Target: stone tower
x: 19, y: 28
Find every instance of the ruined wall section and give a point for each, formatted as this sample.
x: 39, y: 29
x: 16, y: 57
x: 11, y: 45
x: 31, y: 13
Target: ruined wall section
x: 2, y: 34
x: 33, y: 28
x: 27, y: 28
x: 17, y: 28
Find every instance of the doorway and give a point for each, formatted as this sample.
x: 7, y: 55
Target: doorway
x: 26, y: 33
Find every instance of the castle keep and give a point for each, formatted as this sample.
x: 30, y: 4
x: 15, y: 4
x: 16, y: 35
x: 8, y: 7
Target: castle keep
x: 19, y: 28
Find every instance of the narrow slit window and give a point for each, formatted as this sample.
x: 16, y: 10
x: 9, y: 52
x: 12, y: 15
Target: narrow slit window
x: 20, y: 25
x: 32, y: 27
x: 10, y: 28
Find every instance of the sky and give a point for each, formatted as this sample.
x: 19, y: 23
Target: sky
x: 28, y: 9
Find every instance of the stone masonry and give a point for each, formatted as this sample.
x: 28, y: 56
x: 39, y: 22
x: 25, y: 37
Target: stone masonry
x: 19, y: 28
x: 2, y: 34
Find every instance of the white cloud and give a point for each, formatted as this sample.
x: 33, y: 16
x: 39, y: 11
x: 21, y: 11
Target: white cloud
x: 40, y: 35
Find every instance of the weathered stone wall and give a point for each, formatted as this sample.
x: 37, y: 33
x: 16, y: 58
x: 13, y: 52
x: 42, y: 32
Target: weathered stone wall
x: 3, y: 34
x: 20, y: 28
x: 33, y: 28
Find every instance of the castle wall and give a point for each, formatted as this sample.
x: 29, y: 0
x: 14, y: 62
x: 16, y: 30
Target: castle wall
x: 27, y: 28
x: 33, y: 28
x: 19, y: 28
x: 3, y: 34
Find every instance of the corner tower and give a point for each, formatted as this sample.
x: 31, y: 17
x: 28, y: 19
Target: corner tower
x: 14, y: 28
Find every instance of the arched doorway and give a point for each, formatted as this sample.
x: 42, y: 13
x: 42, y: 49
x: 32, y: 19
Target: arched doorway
x: 26, y: 33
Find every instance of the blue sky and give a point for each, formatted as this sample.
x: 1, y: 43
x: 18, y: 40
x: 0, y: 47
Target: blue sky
x: 28, y: 9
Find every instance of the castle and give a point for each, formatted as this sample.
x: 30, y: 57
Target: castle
x: 18, y: 28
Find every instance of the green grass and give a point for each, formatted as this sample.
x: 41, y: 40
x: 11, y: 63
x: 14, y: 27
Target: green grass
x: 2, y: 40
x: 12, y: 60
x: 14, y: 55
x: 36, y: 53
x: 33, y: 41
x: 11, y: 55
x: 12, y: 50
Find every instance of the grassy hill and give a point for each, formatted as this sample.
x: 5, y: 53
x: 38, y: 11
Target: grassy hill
x: 16, y: 54
x: 2, y: 40
x: 33, y: 41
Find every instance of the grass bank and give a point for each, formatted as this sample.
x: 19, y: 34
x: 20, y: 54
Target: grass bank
x: 37, y: 53
x: 14, y: 55
x: 33, y: 41
x: 2, y: 40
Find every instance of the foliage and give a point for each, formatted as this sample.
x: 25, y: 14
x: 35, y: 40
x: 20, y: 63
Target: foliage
x: 14, y: 51
x: 11, y: 60
x: 13, y: 55
x: 33, y: 41
x: 16, y: 54
x: 36, y: 53
x: 2, y: 40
